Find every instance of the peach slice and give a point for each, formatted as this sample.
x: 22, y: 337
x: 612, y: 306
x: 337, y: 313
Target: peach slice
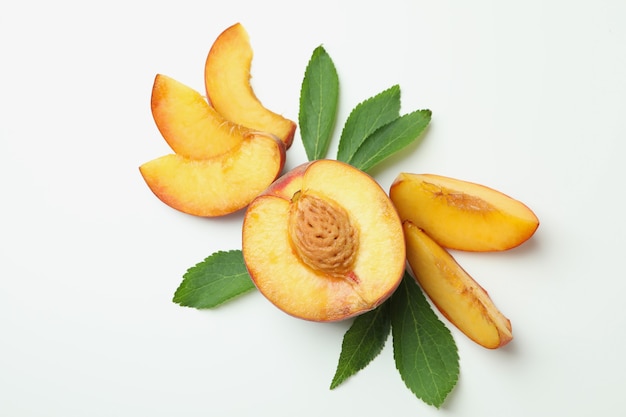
x: 220, y: 185
x: 462, y: 215
x: 454, y: 292
x: 188, y: 123
x: 324, y: 242
x: 227, y: 82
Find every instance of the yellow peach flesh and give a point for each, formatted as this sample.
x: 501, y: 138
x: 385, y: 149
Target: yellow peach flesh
x: 227, y: 83
x: 217, y: 186
x: 462, y: 215
x: 454, y: 292
x: 190, y: 126
x: 303, y: 289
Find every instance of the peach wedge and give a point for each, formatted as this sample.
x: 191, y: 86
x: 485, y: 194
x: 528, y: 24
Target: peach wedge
x: 219, y: 185
x: 454, y: 292
x: 324, y: 242
x: 462, y: 215
x: 188, y: 123
x: 227, y: 82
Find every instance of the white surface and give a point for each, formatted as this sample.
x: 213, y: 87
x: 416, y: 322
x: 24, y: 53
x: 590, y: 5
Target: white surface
x: 527, y: 97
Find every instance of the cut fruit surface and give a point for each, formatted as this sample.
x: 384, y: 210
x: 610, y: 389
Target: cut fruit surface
x: 324, y: 243
x: 187, y: 122
x: 462, y: 215
x: 454, y: 292
x: 220, y: 185
x: 227, y: 82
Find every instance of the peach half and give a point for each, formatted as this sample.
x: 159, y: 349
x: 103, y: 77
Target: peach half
x: 187, y: 122
x: 220, y: 185
x: 454, y: 292
x: 462, y: 215
x: 227, y: 82
x: 324, y: 242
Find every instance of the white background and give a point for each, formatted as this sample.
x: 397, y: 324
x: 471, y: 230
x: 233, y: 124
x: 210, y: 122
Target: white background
x: 527, y: 97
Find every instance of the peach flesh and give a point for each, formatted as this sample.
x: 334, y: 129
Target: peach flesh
x: 217, y: 186
x: 227, y: 83
x: 361, y: 274
x: 187, y: 122
x: 462, y: 215
x: 454, y: 292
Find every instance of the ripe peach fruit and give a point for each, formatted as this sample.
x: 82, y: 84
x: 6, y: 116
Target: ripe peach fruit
x: 219, y: 185
x: 227, y: 82
x: 188, y: 123
x: 454, y: 292
x: 324, y: 242
x: 462, y: 215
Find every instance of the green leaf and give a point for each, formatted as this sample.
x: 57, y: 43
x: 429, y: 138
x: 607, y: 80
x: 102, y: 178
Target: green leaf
x: 390, y: 139
x: 217, y: 279
x: 424, y: 351
x: 363, y: 341
x: 319, y: 98
x: 366, y: 118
